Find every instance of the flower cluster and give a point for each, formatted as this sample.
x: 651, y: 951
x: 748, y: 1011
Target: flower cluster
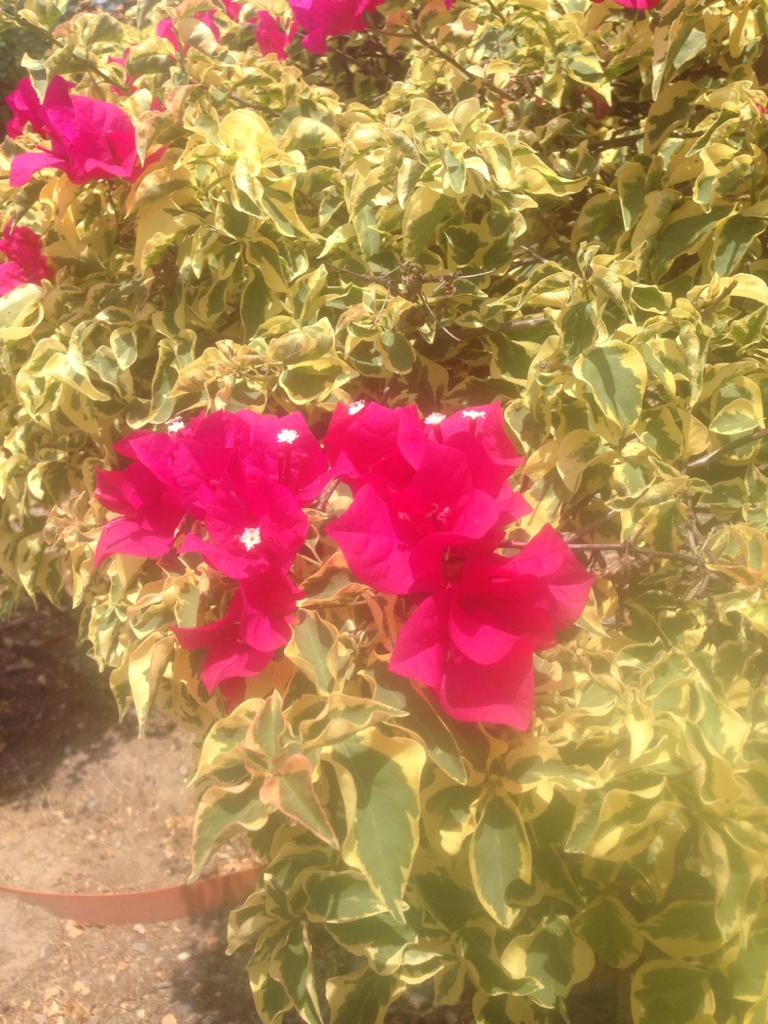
x: 26, y: 263
x: 231, y: 488
x: 322, y: 18
x: 431, y: 506
x: 88, y: 139
x: 318, y: 19
x: 270, y: 36
x: 430, y: 509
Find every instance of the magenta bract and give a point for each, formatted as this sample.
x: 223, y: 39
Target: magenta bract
x: 322, y: 18
x: 270, y: 35
x: 473, y: 639
x: 89, y: 139
x: 26, y: 263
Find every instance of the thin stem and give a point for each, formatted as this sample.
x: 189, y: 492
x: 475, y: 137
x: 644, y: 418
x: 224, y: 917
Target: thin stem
x: 590, y: 527
x: 436, y: 318
x: 484, y: 83
x: 758, y: 434
x: 526, y: 321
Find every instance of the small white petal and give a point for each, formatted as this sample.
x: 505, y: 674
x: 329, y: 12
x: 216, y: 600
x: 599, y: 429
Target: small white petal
x: 250, y: 537
x: 356, y: 407
x: 473, y: 414
x: 175, y: 425
x: 287, y: 436
x: 434, y: 418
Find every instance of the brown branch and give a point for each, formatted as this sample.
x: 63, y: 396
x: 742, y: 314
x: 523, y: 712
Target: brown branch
x: 484, y: 83
x: 436, y: 318
x: 758, y: 434
x: 526, y: 321
x: 590, y: 527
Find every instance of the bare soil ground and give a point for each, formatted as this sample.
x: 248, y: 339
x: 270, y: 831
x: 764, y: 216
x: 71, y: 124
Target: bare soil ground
x: 86, y: 806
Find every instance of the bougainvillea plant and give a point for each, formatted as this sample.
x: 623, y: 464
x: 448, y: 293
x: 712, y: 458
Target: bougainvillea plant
x: 386, y: 385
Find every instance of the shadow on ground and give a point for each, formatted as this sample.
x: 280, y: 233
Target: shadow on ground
x: 211, y: 987
x: 53, y: 700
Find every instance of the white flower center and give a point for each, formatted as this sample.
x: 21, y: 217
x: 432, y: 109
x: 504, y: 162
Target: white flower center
x: 355, y: 408
x: 250, y: 537
x: 287, y: 436
x: 175, y: 425
x: 434, y: 418
x: 473, y: 414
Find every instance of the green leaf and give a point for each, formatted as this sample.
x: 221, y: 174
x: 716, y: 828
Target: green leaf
x: 424, y: 211
x: 313, y: 381
x: 502, y: 1009
x: 424, y: 722
x: 674, y: 993
x: 737, y: 417
x: 382, y: 940
x: 685, y: 929
x: 254, y: 304
x: 612, y: 932
x: 747, y: 972
x: 379, y: 779
x: 615, y: 375
x: 313, y: 649
x: 552, y: 957
x: 292, y: 961
x: 732, y: 240
x: 220, y: 812
x: 344, y: 896
x: 362, y: 996
x: 292, y: 792
x: 499, y: 854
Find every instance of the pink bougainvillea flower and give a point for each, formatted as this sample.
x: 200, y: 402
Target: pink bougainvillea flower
x: 149, y: 513
x: 26, y: 263
x: 165, y: 29
x: 256, y: 625
x: 89, y: 139
x: 270, y: 35
x: 286, y: 450
x: 254, y: 525
x: 323, y: 18
x: 371, y: 443
x: 220, y: 469
x: 223, y: 446
x: 11, y: 276
x: 395, y: 538
x: 156, y: 450
x: 479, y: 432
x: 472, y: 641
x: 27, y: 108
x: 192, y: 459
